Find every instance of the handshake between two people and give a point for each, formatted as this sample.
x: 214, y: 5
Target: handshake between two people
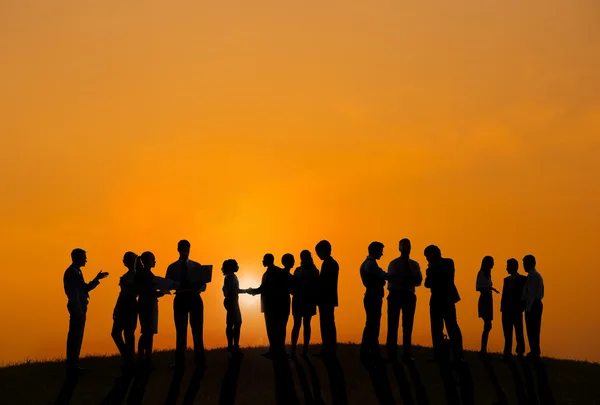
x: 251, y: 291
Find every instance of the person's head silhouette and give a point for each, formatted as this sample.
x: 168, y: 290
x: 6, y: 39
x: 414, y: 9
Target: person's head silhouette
x: 288, y: 261
x: 529, y: 263
x: 433, y: 254
x: 230, y: 266
x: 306, y: 259
x: 79, y: 257
x: 268, y: 260
x: 404, y: 247
x: 129, y: 260
x: 376, y: 250
x: 183, y: 247
x: 323, y: 249
x: 147, y: 260
x: 512, y: 266
x: 487, y: 264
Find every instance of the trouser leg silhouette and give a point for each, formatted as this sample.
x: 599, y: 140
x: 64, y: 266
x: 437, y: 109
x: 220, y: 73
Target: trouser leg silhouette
x: 75, y: 337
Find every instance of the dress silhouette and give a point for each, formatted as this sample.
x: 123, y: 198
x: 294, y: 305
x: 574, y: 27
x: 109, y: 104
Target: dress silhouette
x: 125, y: 312
x: 77, y: 291
x: 147, y: 306
x: 442, y: 305
x: 512, y: 307
x: 327, y: 299
x: 304, y: 302
x: 405, y: 275
x: 485, y: 305
x: 187, y: 305
x: 373, y: 278
x: 233, y: 320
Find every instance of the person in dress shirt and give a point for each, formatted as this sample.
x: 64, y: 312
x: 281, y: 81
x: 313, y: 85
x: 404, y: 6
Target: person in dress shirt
x: 77, y: 291
x: 373, y: 278
x: 187, y: 304
x: 327, y: 299
x: 533, y: 293
x: 512, y: 307
x: 125, y: 312
x: 439, y: 278
x: 485, y: 305
x: 405, y: 275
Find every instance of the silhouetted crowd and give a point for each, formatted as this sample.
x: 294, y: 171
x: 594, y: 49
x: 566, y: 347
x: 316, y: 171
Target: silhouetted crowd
x: 303, y: 291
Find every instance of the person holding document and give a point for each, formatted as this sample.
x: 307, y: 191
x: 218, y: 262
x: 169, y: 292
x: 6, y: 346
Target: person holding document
x: 191, y: 279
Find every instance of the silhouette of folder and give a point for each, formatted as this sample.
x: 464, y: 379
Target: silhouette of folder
x: 200, y: 274
x: 162, y: 284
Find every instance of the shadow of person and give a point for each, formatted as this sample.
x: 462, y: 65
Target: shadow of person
x: 316, y: 383
x: 175, y: 387
x: 193, y: 387
x: 403, y: 383
x: 119, y: 391
x: 337, y: 381
x: 420, y: 389
x: 541, y: 374
x: 285, y: 389
x: 381, y: 384
x: 529, y: 383
x: 138, y: 387
x: 306, y: 391
x: 465, y: 383
x: 518, y: 381
x: 502, y: 399
x: 450, y: 383
x: 66, y: 391
x: 229, y: 382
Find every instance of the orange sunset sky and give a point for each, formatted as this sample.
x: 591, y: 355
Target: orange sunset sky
x: 264, y: 126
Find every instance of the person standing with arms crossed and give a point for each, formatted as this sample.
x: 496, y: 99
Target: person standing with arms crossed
x: 77, y: 291
x: 327, y: 299
x: 405, y: 274
x: 187, y: 304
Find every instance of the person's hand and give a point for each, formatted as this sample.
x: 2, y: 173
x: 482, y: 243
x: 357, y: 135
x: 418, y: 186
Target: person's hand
x: 496, y: 291
x: 101, y: 274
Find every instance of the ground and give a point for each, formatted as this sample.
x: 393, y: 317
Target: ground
x: 256, y: 380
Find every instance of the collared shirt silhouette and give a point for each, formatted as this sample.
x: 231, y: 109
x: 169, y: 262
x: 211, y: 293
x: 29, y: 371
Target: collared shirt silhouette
x: 187, y: 304
x: 327, y: 298
x: 442, y: 305
x: 373, y: 278
x: 512, y: 306
x: 125, y: 314
x: 405, y: 275
x: 533, y: 293
x: 77, y: 291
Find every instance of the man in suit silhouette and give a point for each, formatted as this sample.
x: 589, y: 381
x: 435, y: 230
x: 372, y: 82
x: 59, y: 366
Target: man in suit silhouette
x: 187, y: 304
x: 327, y: 299
x: 512, y: 307
x: 533, y: 293
x: 405, y: 275
x: 373, y: 278
x: 77, y: 291
x: 442, y: 305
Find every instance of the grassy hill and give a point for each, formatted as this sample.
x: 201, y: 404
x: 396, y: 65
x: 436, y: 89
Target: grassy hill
x: 257, y: 381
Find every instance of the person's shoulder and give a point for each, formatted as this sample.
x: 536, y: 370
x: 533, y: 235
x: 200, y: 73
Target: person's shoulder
x: 395, y: 261
x: 194, y: 263
x: 449, y: 262
x: 413, y: 262
x: 172, y: 265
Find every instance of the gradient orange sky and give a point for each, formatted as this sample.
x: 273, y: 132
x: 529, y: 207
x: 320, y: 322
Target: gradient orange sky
x: 264, y: 126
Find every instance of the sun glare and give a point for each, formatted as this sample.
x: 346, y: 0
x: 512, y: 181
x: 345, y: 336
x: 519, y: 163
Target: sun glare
x: 247, y: 300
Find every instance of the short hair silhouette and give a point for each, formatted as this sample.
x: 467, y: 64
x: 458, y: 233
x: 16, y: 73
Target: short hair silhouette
x: 77, y: 254
x: 269, y: 259
x: 487, y: 263
x: 305, y: 256
x: 288, y: 260
x: 183, y: 244
x: 404, y: 241
x: 433, y: 251
x: 230, y: 265
x: 375, y: 247
x: 529, y: 262
x: 512, y: 263
x: 323, y: 247
x: 146, y: 257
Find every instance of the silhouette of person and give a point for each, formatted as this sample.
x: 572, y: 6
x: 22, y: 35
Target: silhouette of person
x: 512, y: 307
x: 327, y: 299
x: 439, y: 279
x: 274, y: 296
x: 373, y: 278
x: 485, y: 306
x: 77, y: 291
x: 125, y: 312
x: 287, y: 261
x: 304, y: 302
x: 233, y: 320
x: 405, y: 275
x: 187, y: 304
x: 533, y: 293
x: 147, y: 306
